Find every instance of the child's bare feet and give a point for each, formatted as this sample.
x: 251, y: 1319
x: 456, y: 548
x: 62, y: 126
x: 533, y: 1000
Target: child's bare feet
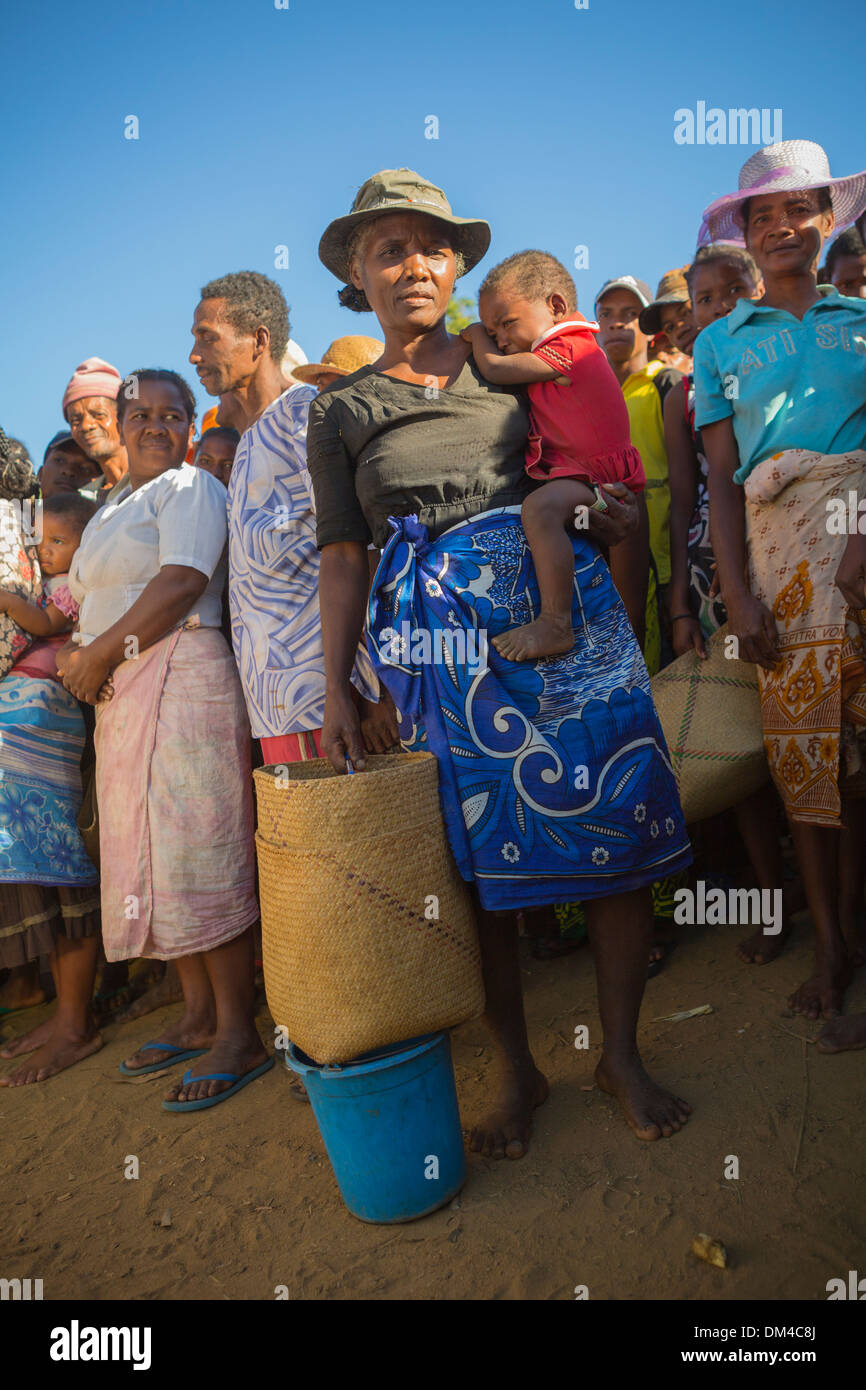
x: 505, y: 1131
x: 842, y: 1034
x: 651, y: 1111
x: 61, y: 1050
x: 549, y: 635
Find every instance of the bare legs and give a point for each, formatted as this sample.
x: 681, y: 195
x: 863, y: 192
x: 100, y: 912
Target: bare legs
x: 818, y: 854
x: 620, y: 929
x: 546, y: 514
x: 620, y: 932
x: 756, y: 822
x: 505, y: 1131
x: 236, y: 1047
x: 70, y: 1034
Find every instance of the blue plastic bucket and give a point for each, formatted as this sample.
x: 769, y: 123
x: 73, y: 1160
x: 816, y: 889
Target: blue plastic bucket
x: 390, y: 1124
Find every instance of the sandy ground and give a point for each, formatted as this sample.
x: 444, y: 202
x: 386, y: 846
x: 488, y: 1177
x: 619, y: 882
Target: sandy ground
x: 252, y: 1202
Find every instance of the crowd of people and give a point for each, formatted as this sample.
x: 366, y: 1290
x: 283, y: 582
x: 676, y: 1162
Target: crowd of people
x: 596, y: 497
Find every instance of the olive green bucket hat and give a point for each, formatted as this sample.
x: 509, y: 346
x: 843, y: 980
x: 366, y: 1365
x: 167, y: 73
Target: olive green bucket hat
x: 399, y: 190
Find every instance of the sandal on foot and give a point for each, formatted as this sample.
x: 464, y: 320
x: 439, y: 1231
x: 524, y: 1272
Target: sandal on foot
x: 182, y: 1054
x: 238, y: 1083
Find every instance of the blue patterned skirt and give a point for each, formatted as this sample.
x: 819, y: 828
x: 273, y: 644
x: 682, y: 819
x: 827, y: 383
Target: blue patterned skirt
x: 41, y: 742
x: 554, y: 775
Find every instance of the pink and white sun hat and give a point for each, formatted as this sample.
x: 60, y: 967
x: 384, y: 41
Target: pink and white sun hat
x: 791, y: 164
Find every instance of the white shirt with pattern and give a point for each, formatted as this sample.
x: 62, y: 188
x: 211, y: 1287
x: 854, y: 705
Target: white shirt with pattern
x: 274, y: 575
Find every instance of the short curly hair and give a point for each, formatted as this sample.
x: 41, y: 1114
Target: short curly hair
x: 536, y: 275
x: 253, y: 301
x: 175, y: 379
x: 352, y: 298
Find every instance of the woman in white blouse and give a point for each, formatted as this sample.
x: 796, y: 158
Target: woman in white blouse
x: 172, y: 743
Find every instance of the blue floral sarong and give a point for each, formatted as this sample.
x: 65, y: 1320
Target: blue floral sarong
x: 41, y: 742
x: 554, y: 775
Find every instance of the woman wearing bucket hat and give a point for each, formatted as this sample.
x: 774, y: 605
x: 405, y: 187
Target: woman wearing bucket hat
x: 780, y: 387
x: 553, y: 775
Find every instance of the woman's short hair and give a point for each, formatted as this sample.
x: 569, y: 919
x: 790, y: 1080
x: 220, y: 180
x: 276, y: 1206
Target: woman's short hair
x: 134, y: 379
x: 536, y: 275
x: 729, y: 253
x: 73, y: 506
x: 355, y: 299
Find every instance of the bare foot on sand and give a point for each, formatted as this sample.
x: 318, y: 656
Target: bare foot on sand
x: 29, y: 1041
x: 822, y: 994
x: 165, y: 991
x: 843, y: 1034
x: 58, y: 1052
x: 225, y: 1056
x: 652, y: 1112
x: 188, y: 1033
x: 760, y: 948
x: 504, y: 1133
x: 547, y: 636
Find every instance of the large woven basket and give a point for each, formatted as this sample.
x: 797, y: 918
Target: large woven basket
x: 368, y: 932
x: 710, y: 712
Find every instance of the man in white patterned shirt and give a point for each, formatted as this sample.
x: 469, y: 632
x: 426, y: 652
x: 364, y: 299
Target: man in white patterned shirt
x: 241, y: 328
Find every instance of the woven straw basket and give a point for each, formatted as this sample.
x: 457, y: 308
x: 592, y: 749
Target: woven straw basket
x: 349, y: 868
x: 710, y: 712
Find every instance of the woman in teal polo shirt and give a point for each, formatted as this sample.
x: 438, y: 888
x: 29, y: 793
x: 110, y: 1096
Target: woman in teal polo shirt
x: 780, y: 387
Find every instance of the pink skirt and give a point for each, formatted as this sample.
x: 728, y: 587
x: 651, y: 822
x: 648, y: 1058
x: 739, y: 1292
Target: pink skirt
x: 174, y: 791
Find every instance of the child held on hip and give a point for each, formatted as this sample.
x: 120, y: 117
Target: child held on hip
x: 531, y: 334
x: 64, y: 518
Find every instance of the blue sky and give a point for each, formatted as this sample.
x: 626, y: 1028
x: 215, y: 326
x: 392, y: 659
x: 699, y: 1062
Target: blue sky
x: 257, y: 125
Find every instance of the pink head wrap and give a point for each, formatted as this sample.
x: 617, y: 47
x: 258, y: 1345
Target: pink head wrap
x: 92, y: 378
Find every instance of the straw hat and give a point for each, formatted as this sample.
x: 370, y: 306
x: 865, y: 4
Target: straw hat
x: 344, y: 356
x: 791, y: 164
x: 400, y: 190
x: 673, y: 289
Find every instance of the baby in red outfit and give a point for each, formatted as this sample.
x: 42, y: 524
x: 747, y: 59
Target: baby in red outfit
x: 579, y: 434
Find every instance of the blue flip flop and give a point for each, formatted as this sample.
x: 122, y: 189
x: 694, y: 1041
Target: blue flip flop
x: 239, y: 1083
x: 182, y: 1054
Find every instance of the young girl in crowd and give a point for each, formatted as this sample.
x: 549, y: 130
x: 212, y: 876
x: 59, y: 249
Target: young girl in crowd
x: 781, y: 400
x: 578, y: 441
x: 719, y: 276
x: 49, y: 895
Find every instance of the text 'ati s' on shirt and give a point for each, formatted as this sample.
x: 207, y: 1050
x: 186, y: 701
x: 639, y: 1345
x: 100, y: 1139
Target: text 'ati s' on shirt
x: 178, y: 518
x: 788, y: 383
x: 579, y: 427
x: 380, y: 447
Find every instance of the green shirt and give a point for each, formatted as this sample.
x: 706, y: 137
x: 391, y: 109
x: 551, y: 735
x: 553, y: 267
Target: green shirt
x: 644, y: 393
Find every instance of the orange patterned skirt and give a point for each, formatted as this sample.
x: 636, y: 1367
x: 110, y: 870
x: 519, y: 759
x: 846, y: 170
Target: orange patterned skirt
x: 813, y: 704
